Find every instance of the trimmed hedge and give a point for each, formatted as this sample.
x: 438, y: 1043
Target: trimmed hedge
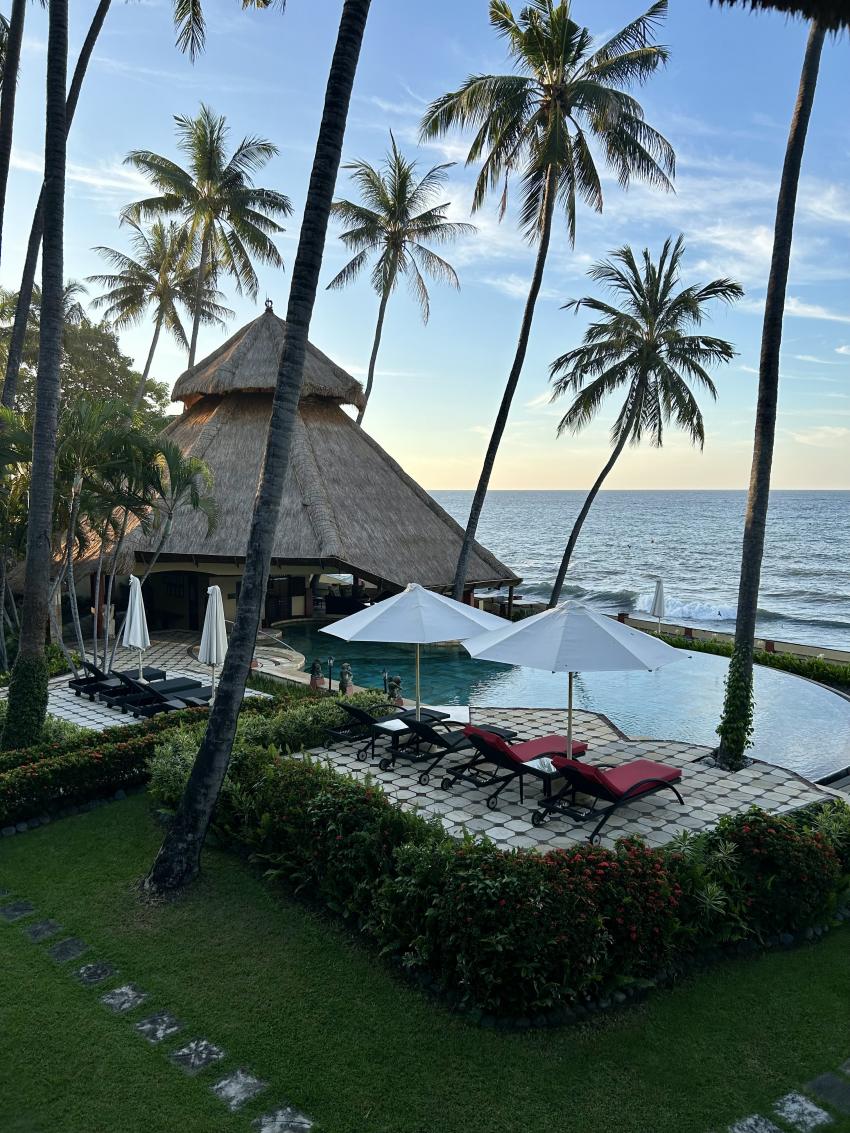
x: 519, y: 933
x: 832, y: 673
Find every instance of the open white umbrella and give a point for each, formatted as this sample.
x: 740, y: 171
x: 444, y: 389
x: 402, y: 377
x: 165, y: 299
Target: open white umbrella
x: 416, y: 616
x: 214, y: 634
x: 135, y: 635
x: 569, y: 639
x: 657, y: 609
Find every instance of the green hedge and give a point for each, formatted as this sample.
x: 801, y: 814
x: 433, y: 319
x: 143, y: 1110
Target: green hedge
x: 518, y: 933
x: 832, y: 673
x: 56, y: 664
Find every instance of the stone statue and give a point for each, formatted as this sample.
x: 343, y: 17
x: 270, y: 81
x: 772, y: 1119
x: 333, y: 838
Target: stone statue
x: 317, y: 681
x: 346, y: 680
x: 394, y: 690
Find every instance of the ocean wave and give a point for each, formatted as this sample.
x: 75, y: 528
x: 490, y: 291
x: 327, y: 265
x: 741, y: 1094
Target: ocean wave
x: 697, y: 610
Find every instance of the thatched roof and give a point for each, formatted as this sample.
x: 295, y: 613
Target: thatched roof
x: 248, y: 363
x: 833, y: 14
x: 346, y: 503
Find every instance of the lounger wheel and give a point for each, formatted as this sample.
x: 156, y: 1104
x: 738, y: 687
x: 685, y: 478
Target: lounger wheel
x: 538, y: 818
x: 447, y: 783
x: 361, y: 757
x: 385, y: 764
x: 425, y: 779
x: 492, y: 802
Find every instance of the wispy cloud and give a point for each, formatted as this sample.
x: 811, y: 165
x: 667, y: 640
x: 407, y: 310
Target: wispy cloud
x: 816, y: 361
x: 843, y: 349
x: 541, y: 400
x: 516, y: 286
x: 107, y: 179
x: 823, y: 436
x: 801, y: 309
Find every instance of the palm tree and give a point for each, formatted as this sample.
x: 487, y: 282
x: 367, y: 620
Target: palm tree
x: 178, y: 860
x: 28, y: 684
x: 221, y: 208
x: 539, y: 123
x: 642, y: 343
x: 736, y: 722
x: 19, y: 330
x: 398, y: 213
x: 161, y: 278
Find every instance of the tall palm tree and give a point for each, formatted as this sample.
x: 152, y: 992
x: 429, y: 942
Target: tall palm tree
x: 19, y: 330
x: 642, y: 343
x: 736, y: 722
x: 221, y: 208
x: 178, y: 860
x: 398, y: 215
x: 539, y: 123
x: 28, y: 684
x: 161, y: 278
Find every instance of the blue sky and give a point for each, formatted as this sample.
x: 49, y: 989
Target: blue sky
x: 724, y: 101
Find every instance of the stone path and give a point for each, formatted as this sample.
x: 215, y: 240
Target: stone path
x: 799, y: 1112
x: 235, y: 1088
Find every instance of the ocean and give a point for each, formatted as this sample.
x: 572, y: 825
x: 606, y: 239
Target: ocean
x: 691, y: 540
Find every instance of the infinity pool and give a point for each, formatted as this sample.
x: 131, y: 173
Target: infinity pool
x: 798, y: 724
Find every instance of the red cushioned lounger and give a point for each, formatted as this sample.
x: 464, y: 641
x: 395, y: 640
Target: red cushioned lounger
x: 616, y: 786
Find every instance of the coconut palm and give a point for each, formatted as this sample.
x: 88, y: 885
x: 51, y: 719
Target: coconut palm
x: 539, y: 123
x: 399, y: 215
x: 160, y: 278
x: 221, y: 208
x: 642, y: 343
x: 28, y: 683
x: 178, y: 860
x: 736, y: 723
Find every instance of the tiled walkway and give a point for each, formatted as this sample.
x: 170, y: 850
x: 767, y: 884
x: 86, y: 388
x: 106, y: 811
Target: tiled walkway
x: 708, y: 792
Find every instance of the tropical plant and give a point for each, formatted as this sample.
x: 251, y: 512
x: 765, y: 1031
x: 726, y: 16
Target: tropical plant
x: 161, y: 278
x: 735, y: 725
x: 178, y: 860
x: 642, y: 343
x: 19, y: 331
x: 15, y: 453
x: 229, y: 218
x: 398, y: 217
x: 28, y: 684
x: 539, y: 123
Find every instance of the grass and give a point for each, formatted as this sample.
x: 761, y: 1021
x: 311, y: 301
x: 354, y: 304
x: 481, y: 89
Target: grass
x: 291, y: 997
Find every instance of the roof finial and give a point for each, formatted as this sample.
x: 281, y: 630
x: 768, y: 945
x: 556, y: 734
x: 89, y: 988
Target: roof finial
x: 269, y: 305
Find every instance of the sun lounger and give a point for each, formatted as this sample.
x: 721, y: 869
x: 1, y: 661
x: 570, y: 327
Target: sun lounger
x: 616, y: 786
x: 367, y: 726
x: 133, y: 692
x: 97, y: 680
x: 497, y: 762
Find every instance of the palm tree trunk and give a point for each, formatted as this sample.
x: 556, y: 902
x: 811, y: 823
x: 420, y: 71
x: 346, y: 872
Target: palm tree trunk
x: 113, y: 571
x: 178, y: 860
x: 69, y: 576
x: 582, y: 515
x: 736, y: 722
x: 22, y: 308
x: 374, y: 356
x: 28, y: 685
x: 140, y: 392
x: 98, y: 576
x: 510, y: 388
x: 4, y: 657
x: 199, y: 298
x: 8, y: 94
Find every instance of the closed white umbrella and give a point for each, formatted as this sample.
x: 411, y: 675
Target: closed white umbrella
x: 569, y: 639
x: 214, y: 634
x: 657, y: 609
x: 135, y: 635
x: 416, y: 616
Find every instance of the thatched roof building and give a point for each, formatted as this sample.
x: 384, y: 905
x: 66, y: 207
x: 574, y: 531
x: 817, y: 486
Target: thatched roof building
x: 833, y: 14
x: 347, y: 506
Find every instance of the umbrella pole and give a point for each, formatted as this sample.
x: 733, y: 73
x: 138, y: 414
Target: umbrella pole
x: 570, y: 716
x: 141, y: 670
x: 212, y: 698
x: 418, y: 699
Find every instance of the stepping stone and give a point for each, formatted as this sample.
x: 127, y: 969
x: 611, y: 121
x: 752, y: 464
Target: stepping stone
x: 801, y: 1113
x: 237, y: 1088
x: 3, y: 892
x: 197, y: 1055
x: 91, y: 974
x: 42, y: 930
x: 832, y: 1089
x: 285, y: 1120
x: 16, y: 911
x: 68, y: 949
x: 123, y: 998
x: 845, y: 1066
x: 158, y: 1027
x: 754, y: 1124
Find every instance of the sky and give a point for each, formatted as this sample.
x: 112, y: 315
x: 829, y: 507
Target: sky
x: 724, y: 101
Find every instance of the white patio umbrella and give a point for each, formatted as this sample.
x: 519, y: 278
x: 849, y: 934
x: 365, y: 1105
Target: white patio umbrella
x: 135, y: 635
x: 568, y: 639
x: 416, y: 616
x: 657, y: 609
x: 214, y: 634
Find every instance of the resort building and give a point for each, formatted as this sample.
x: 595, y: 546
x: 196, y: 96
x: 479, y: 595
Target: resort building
x: 348, y: 508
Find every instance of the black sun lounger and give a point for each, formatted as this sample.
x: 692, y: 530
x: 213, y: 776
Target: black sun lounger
x: 97, y: 680
x: 131, y: 691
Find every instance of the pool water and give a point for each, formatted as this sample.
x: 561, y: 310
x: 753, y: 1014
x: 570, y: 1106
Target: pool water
x: 798, y: 724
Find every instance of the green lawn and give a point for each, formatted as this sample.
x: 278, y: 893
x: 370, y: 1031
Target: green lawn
x: 294, y: 999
